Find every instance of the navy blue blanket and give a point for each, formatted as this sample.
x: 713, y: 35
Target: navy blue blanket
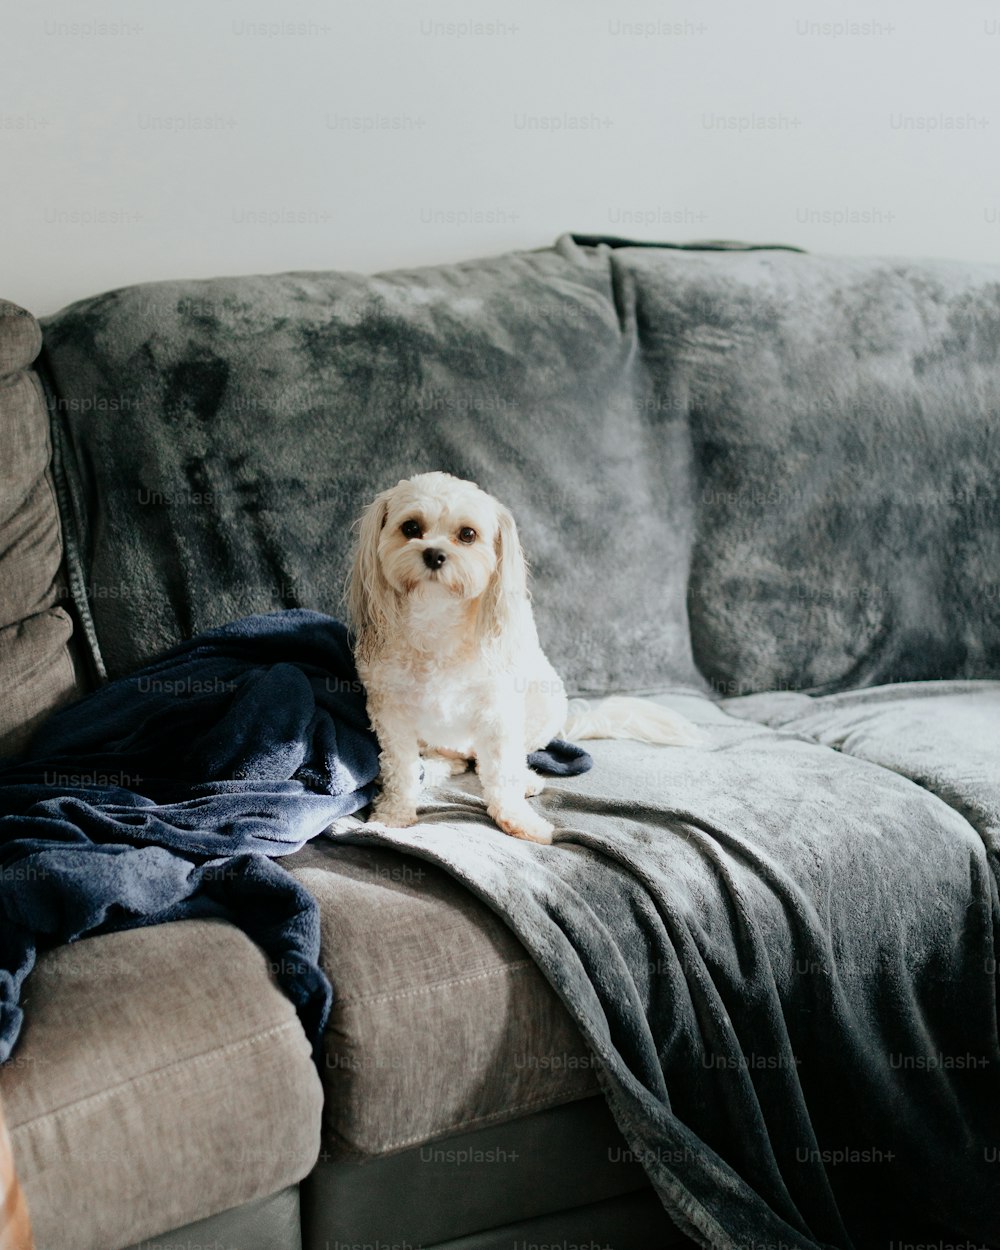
x: 166, y: 794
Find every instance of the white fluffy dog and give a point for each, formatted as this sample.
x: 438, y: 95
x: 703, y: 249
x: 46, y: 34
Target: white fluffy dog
x: 448, y: 652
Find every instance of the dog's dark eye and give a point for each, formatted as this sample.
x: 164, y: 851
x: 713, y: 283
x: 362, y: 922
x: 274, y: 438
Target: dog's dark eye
x: 466, y: 534
x: 411, y: 529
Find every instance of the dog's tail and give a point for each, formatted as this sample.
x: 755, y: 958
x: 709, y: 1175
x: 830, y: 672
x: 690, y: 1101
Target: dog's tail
x: 639, y: 720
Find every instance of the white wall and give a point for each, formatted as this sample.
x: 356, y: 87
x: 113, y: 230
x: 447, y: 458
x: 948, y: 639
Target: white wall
x: 170, y: 138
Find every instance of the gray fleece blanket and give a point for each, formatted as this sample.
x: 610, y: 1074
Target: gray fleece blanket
x: 216, y: 440
x: 783, y: 949
x: 713, y: 435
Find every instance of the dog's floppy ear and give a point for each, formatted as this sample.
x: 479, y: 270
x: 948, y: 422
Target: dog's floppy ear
x: 503, y: 601
x: 371, y: 601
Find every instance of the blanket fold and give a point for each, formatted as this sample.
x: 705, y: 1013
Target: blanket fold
x: 784, y: 958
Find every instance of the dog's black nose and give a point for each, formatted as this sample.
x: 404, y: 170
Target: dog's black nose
x: 434, y: 558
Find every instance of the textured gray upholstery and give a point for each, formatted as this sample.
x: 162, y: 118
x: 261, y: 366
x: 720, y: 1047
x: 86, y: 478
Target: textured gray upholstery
x: 36, y: 668
x: 441, y: 1022
x: 271, y: 1223
x: 162, y: 1077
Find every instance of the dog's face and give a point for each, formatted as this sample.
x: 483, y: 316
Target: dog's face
x: 438, y: 538
x: 435, y: 537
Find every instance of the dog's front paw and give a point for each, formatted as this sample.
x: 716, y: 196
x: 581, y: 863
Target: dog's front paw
x: 520, y: 821
x: 392, y: 812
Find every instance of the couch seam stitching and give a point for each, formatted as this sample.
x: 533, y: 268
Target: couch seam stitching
x: 155, y: 1074
x: 506, y: 969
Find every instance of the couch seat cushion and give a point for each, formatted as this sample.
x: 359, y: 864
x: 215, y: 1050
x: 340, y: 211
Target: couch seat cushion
x: 441, y: 1021
x: 161, y: 1077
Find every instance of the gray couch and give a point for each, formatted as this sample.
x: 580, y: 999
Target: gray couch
x: 747, y: 480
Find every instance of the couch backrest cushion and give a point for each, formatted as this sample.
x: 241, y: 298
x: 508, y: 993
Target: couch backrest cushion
x: 36, y: 668
x: 824, y: 431
x: 220, y: 438
x: 845, y: 420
